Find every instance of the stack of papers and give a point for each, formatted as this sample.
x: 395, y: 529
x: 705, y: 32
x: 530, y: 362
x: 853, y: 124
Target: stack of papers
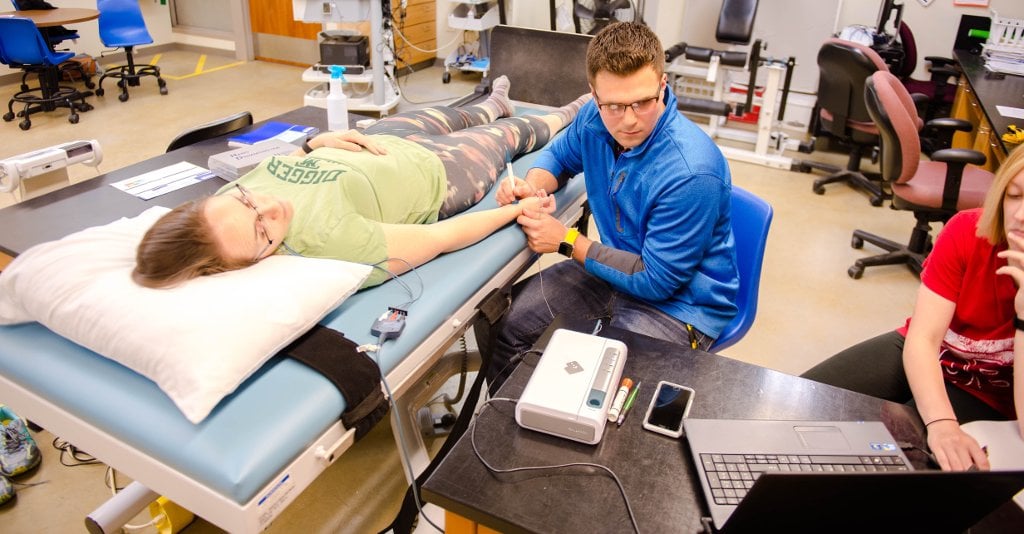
x: 234, y: 163
x: 281, y: 131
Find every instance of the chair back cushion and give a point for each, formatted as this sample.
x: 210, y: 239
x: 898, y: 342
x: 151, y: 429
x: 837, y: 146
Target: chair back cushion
x: 22, y: 44
x: 843, y: 67
x: 909, y: 61
x: 751, y: 218
x: 893, y: 111
x: 121, y: 23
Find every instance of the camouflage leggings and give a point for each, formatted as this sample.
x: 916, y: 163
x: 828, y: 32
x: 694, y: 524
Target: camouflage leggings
x: 473, y: 149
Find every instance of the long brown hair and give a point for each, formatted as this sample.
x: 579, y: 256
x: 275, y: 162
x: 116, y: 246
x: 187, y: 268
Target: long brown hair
x: 990, y: 225
x: 180, y: 246
x: 623, y: 48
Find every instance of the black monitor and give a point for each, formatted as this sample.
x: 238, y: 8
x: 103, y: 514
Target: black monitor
x: 889, y: 10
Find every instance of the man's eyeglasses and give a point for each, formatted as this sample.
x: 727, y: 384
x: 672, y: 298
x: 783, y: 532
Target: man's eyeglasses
x: 261, y: 229
x: 640, y: 107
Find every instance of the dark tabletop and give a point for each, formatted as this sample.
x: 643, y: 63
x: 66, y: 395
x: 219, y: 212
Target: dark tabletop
x: 992, y: 89
x: 96, y: 202
x: 656, y: 471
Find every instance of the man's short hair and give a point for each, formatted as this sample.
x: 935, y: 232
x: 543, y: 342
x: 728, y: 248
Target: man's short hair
x: 623, y: 48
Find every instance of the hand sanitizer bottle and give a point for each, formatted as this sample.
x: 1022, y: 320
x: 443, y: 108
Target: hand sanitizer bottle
x: 337, y: 102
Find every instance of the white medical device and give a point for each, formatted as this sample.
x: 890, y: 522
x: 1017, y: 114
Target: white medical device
x: 15, y: 170
x: 572, y: 386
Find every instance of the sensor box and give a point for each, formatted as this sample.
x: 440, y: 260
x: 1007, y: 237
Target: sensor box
x: 572, y: 386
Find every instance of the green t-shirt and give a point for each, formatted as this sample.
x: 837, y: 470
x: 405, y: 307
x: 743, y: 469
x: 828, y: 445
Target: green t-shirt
x: 340, y: 197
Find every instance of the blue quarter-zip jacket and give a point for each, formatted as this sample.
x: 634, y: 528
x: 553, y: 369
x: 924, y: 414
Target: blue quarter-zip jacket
x: 663, y: 213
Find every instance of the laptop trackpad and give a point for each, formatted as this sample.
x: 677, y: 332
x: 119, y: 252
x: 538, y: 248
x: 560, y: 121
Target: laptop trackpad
x: 821, y: 437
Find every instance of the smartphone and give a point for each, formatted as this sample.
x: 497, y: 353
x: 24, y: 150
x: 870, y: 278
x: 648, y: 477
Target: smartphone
x: 669, y: 406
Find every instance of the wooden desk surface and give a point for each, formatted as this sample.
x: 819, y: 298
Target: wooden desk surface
x: 45, y: 18
x: 95, y: 202
x: 656, y: 471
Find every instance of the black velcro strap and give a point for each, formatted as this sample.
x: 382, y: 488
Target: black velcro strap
x: 355, y: 375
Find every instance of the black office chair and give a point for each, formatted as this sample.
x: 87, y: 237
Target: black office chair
x: 934, y: 190
x: 217, y: 128
x: 844, y: 66
x: 122, y: 26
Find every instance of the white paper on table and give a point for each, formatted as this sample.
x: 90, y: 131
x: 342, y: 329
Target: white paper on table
x: 164, y: 180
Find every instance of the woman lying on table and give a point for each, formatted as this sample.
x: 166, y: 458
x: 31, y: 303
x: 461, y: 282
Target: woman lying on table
x: 374, y: 197
x: 956, y: 357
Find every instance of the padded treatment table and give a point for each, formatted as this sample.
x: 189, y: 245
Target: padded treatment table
x: 271, y: 438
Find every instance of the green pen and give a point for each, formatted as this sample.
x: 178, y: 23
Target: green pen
x: 629, y: 404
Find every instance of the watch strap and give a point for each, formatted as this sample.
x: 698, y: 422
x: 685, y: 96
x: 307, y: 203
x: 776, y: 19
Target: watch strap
x: 568, y: 243
x: 1018, y: 323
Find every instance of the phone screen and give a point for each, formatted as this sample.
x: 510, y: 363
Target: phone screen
x: 669, y: 406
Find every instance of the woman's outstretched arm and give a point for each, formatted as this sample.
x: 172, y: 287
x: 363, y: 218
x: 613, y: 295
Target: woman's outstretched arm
x: 419, y: 243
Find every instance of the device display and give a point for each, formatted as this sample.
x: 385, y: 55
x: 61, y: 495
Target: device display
x: 669, y: 406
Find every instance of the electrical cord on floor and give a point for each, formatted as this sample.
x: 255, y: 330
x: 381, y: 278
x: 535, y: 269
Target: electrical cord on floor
x: 110, y: 480
x: 78, y: 457
x: 618, y: 483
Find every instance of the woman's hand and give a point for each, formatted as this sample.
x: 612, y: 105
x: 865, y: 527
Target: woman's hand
x: 351, y: 140
x: 540, y: 203
x: 954, y: 449
x: 1015, y: 269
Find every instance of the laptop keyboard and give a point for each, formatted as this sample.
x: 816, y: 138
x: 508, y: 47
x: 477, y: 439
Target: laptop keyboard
x: 731, y: 475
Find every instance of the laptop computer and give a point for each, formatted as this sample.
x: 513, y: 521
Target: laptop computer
x: 831, y: 476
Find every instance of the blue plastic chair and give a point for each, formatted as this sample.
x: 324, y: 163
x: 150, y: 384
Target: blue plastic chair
x: 54, y: 36
x: 751, y: 219
x: 122, y: 26
x: 23, y: 47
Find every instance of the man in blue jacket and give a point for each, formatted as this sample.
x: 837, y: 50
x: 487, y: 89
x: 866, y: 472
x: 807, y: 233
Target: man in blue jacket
x: 659, y: 190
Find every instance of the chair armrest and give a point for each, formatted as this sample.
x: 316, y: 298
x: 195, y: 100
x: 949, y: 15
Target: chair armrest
x: 959, y: 156
x: 943, y: 74
x: 949, y: 123
x: 956, y: 159
x: 938, y: 61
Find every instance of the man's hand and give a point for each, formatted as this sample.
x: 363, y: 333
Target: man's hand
x: 544, y: 233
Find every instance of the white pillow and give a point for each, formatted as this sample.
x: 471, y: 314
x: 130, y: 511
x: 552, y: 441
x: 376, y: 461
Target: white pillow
x: 197, y: 341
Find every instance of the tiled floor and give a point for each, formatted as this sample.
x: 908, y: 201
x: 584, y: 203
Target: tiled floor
x: 809, y: 308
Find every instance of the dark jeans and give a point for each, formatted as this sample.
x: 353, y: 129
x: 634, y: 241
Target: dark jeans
x: 875, y: 367
x: 566, y: 289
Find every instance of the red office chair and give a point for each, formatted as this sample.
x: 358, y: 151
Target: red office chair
x: 844, y: 66
x: 934, y: 190
x: 940, y: 89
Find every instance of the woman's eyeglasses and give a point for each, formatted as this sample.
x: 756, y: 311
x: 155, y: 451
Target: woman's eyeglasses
x: 261, y: 229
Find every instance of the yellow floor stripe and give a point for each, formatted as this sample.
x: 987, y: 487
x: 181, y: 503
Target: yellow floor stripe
x: 200, y: 68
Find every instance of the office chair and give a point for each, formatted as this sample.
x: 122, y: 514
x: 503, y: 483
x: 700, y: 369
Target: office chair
x: 843, y: 67
x: 934, y: 190
x: 23, y: 47
x: 216, y: 128
x: 940, y: 89
x: 54, y: 36
x: 122, y: 26
x: 751, y: 219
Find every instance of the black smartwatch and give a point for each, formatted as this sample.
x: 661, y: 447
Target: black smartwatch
x: 1018, y: 323
x: 565, y: 248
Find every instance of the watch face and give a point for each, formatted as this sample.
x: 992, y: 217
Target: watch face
x: 565, y: 249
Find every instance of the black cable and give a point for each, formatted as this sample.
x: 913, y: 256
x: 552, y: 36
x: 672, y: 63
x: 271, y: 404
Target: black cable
x: 78, y: 456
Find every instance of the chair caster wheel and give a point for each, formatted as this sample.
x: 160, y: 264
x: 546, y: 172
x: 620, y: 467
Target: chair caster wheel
x: 802, y: 167
x: 99, y: 91
x: 90, y: 85
x: 818, y: 189
x: 25, y: 124
x: 163, y: 90
x: 8, y: 117
x: 876, y: 201
x: 855, y: 272
x: 123, y: 97
x: 73, y: 118
x: 163, y: 86
x: 856, y: 242
x: 24, y: 87
x: 446, y: 77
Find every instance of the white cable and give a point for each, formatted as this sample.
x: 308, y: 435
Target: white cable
x: 458, y: 36
x: 402, y: 453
